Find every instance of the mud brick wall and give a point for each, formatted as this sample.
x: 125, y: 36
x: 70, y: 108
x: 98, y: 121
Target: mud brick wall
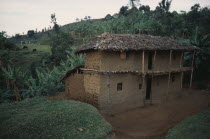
x: 74, y: 87
x: 92, y: 88
x: 93, y: 60
x: 112, y: 61
x: 160, y: 87
x: 163, y: 60
x: 175, y: 59
x: 130, y: 95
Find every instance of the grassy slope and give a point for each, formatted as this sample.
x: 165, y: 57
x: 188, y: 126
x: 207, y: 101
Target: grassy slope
x: 40, y: 118
x: 195, y: 127
x: 25, y: 57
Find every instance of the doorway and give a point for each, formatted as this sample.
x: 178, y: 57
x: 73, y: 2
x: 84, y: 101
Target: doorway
x: 148, y: 89
x: 150, y: 56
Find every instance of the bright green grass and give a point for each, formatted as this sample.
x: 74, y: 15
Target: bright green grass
x: 57, y: 119
x: 195, y: 127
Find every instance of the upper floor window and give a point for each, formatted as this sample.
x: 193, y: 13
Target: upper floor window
x: 119, y: 87
x: 123, y: 55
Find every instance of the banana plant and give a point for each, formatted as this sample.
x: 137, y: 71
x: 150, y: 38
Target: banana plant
x: 15, y: 79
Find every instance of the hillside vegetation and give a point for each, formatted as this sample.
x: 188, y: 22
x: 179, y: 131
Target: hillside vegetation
x: 41, y: 118
x: 27, y: 73
x: 29, y: 54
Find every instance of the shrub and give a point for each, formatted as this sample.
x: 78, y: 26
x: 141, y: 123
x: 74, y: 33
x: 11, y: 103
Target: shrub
x: 43, y: 81
x: 60, y: 44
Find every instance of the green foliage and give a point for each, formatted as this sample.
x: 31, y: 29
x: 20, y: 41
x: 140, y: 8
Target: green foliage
x: 41, y: 118
x: 134, y: 3
x: 55, y: 26
x: 108, y: 16
x: 73, y: 60
x: 144, y: 8
x: 2, y: 37
x: 47, y: 81
x: 124, y: 11
x: 13, y: 72
x: 30, y: 33
x: 190, y: 27
x: 60, y: 44
x: 195, y: 127
x: 164, y: 6
x: 4, y: 43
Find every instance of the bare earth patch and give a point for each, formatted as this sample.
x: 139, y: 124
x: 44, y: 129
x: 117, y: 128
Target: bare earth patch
x: 154, y: 121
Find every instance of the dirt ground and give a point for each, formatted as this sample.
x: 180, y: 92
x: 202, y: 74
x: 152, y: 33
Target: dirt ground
x: 154, y: 121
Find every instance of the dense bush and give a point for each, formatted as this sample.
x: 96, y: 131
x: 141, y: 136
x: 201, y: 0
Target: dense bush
x: 21, y: 85
x: 5, y: 44
x: 61, y: 43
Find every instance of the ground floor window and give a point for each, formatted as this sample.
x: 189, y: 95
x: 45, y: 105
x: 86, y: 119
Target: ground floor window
x: 140, y: 86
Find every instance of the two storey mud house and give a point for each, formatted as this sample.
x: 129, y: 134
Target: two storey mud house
x: 128, y: 71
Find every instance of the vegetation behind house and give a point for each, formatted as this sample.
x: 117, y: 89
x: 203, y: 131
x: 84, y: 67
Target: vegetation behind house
x: 189, y: 27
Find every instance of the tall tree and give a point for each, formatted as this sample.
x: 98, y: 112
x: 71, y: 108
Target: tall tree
x: 134, y: 3
x: 144, y: 8
x: 124, y: 10
x: 61, y: 43
x: 53, y: 20
x: 30, y: 33
x: 164, y: 6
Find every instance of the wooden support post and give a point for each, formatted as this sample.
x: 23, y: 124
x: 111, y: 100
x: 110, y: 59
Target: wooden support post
x: 143, y: 89
x: 181, y: 59
x: 181, y: 83
x: 191, y: 78
x: 170, y: 60
x: 154, y: 60
x: 169, y: 75
x: 181, y: 62
x: 143, y: 62
x: 143, y: 77
x: 151, y: 93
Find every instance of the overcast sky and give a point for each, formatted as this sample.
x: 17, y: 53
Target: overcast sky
x: 18, y: 16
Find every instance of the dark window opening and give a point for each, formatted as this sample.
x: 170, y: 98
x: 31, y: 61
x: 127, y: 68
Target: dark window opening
x: 174, y: 56
x: 119, y: 87
x: 140, y: 86
x: 173, y: 78
x: 148, y: 89
x: 150, y: 56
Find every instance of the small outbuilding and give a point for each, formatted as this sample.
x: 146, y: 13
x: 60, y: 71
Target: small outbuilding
x: 124, y: 71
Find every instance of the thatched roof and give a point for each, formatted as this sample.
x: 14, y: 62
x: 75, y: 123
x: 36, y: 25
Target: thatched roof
x: 127, y: 42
